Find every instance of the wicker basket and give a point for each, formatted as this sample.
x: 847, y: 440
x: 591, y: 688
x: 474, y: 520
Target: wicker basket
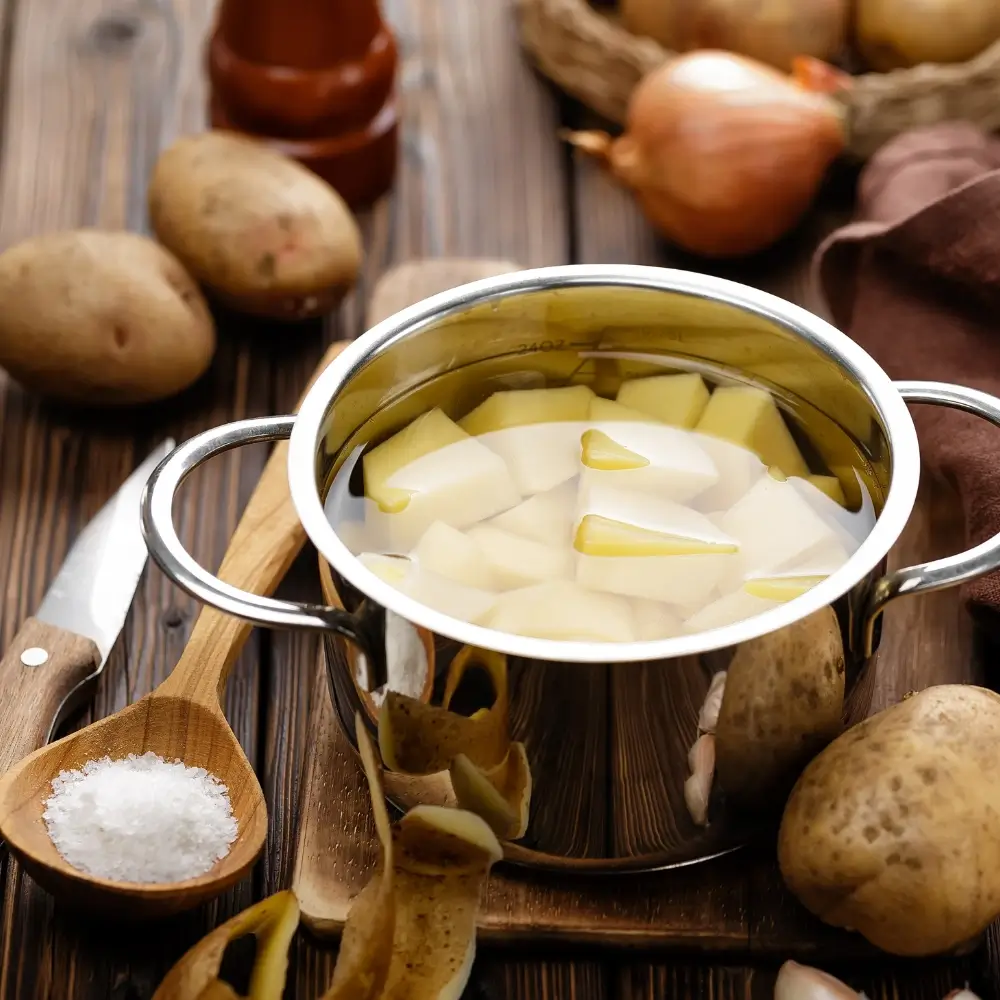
x: 598, y: 62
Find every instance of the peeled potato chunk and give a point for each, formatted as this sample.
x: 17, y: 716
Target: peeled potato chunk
x: 432, y: 471
x: 428, y: 433
x: 520, y: 562
x: 539, y: 456
x: 453, y: 554
x: 777, y: 528
x: 675, y: 399
x: 646, y: 456
x: 546, y: 517
x: 392, y: 569
x: 655, y: 620
x: 469, y: 604
x: 735, y: 607
x: 607, y: 409
x: 750, y: 417
x: 780, y: 588
x: 830, y: 485
x: 517, y: 407
x: 852, y: 526
x: 563, y: 610
x: 739, y: 468
x: 682, y: 580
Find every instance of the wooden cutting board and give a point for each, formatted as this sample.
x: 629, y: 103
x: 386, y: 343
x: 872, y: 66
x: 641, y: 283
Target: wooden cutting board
x: 734, y: 904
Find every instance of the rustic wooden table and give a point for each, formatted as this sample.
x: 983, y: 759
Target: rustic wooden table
x: 92, y: 89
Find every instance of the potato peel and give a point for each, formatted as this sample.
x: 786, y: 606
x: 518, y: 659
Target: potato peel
x: 272, y: 921
x: 444, y: 859
x: 436, y: 862
x: 366, y: 945
x: 501, y: 795
x: 419, y: 738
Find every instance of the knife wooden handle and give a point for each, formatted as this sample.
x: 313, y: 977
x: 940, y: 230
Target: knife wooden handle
x: 42, y: 667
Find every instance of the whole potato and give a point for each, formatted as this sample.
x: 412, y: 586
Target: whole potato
x: 89, y: 316
x: 893, y: 829
x: 261, y: 231
x: 782, y: 703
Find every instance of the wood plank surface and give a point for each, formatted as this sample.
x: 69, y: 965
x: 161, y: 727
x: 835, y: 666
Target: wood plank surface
x: 91, y: 90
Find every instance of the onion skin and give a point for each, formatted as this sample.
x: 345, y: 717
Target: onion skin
x: 772, y: 31
x: 723, y: 154
x: 893, y: 34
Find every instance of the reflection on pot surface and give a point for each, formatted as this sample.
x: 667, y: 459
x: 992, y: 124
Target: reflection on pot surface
x: 603, y: 551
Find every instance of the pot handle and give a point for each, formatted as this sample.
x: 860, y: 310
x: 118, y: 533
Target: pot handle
x: 949, y: 571
x: 170, y: 555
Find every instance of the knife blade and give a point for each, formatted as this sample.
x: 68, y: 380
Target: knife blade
x: 59, y: 652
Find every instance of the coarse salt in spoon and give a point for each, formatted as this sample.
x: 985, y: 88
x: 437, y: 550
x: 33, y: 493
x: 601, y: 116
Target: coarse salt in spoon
x: 181, y: 720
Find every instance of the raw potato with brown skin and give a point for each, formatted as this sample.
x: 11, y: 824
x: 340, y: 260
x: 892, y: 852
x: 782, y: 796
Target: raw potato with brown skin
x: 262, y: 232
x: 106, y: 318
x: 892, y: 830
x: 783, y: 702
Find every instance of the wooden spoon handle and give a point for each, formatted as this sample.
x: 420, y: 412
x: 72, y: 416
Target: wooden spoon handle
x: 41, y: 670
x: 264, y: 545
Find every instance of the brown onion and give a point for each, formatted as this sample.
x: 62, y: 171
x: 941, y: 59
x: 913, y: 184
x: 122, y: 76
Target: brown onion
x: 896, y: 33
x: 773, y: 31
x: 724, y: 154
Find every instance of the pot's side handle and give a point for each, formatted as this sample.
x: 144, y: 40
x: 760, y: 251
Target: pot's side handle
x: 949, y: 571
x: 176, y: 562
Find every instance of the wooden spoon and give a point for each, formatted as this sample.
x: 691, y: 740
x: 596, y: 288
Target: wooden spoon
x: 181, y: 720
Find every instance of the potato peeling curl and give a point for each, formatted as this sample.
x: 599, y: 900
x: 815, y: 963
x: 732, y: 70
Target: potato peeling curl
x: 410, y: 933
x: 489, y: 774
x: 434, y: 866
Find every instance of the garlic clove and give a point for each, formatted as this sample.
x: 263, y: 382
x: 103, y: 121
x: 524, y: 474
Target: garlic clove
x: 708, y: 717
x: 802, y: 982
x: 962, y: 994
x: 698, y: 787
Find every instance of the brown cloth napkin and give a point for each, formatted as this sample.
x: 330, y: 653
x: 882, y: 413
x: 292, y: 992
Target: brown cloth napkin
x: 916, y: 282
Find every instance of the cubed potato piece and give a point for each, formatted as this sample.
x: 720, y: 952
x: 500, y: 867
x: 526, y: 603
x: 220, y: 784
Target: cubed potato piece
x: 520, y: 562
x: 777, y: 529
x: 608, y: 409
x: 392, y: 569
x: 678, y: 400
x: 629, y: 523
x: 467, y: 604
x: 546, y: 517
x: 649, y: 457
x: 354, y: 535
x: 852, y: 527
x: 460, y: 484
x: 517, y: 407
x: 830, y: 485
x: 683, y: 580
x: 655, y: 620
x: 562, y: 610
x: 734, y: 607
x: 780, y: 588
x: 448, y: 552
x: 739, y: 468
x: 540, y: 457
x: 750, y: 417
x: 428, y: 433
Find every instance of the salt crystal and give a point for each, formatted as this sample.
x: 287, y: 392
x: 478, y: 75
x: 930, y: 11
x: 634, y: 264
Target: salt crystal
x: 140, y: 819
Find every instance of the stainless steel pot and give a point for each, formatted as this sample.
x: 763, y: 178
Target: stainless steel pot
x: 605, y: 728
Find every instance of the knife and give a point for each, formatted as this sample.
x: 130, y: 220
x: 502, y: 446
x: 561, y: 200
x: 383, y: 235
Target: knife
x: 56, y: 656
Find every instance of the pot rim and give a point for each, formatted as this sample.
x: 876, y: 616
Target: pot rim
x: 849, y: 357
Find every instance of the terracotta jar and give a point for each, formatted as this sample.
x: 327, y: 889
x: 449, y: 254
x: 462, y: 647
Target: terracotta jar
x: 315, y: 79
